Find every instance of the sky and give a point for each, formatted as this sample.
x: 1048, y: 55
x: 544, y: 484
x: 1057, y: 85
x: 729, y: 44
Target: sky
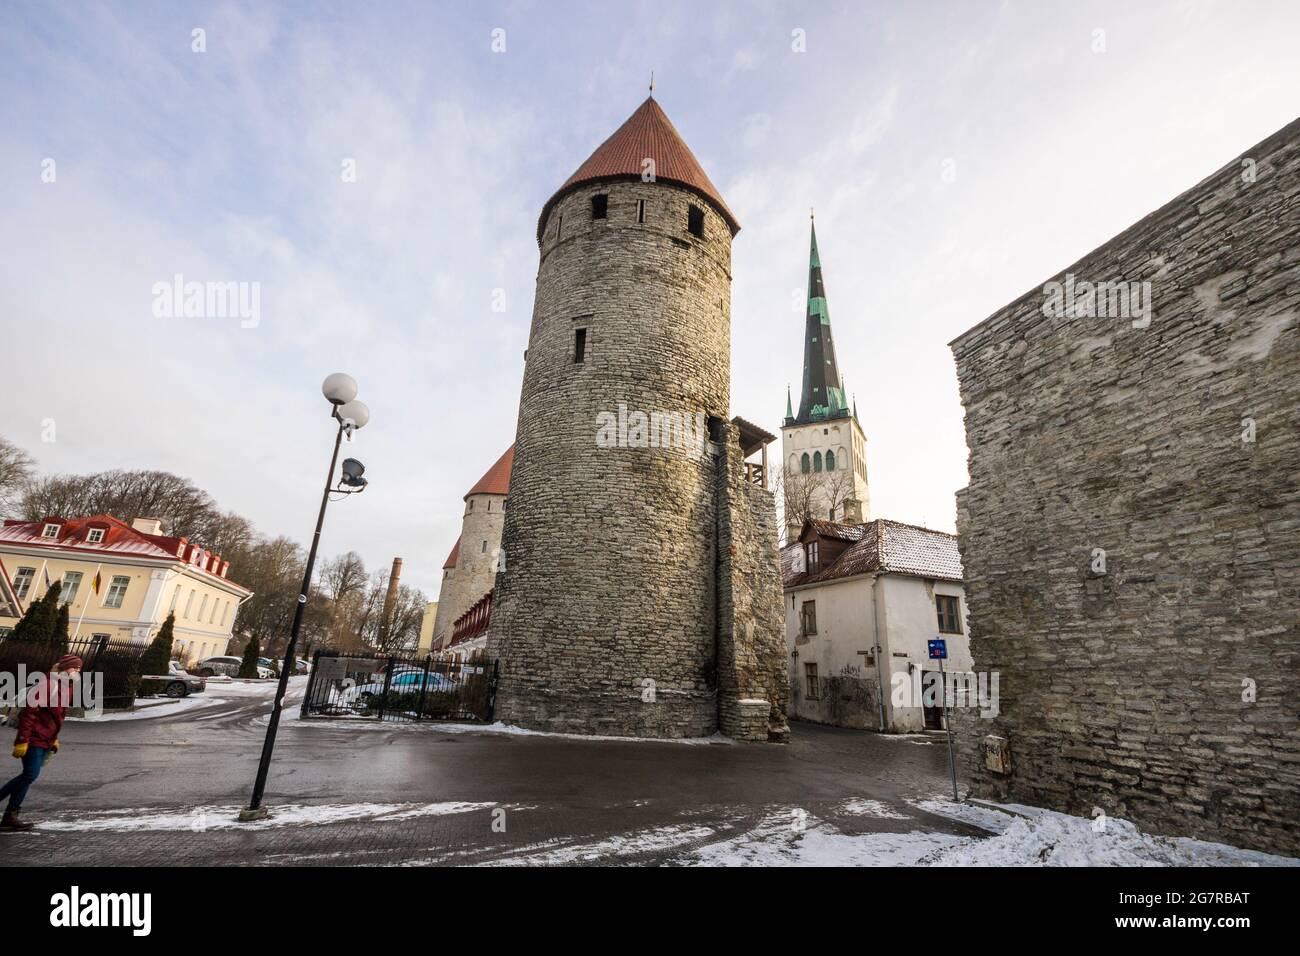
x: 378, y: 170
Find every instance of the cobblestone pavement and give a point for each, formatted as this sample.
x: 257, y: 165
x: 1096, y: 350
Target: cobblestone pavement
x: 164, y: 791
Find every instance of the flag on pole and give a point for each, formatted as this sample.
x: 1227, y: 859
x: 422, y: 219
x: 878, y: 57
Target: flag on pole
x: 47, y: 576
x: 95, y: 584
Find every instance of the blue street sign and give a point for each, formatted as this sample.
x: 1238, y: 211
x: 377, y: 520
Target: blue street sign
x: 938, y: 649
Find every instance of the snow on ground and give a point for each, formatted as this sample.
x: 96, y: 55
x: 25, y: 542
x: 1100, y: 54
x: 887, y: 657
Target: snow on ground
x: 161, y: 709
x: 557, y: 853
x: 1059, y: 839
x: 509, y: 730
x: 792, y: 837
x: 872, y: 808
x: 199, y: 819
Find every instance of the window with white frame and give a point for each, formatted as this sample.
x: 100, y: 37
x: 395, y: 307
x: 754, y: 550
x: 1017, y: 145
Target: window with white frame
x: 50, y: 531
x: 189, y: 603
x: 117, y: 590
x: 71, y: 582
x: 23, y: 581
x: 203, y: 606
x: 94, y: 535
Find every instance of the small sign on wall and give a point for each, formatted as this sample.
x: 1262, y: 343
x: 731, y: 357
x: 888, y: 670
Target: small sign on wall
x: 997, y: 754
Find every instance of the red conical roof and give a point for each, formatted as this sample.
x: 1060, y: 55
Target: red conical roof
x: 496, y: 481
x: 648, y: 133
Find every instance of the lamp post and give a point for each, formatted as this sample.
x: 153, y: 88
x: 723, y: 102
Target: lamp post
x: 341, y: 392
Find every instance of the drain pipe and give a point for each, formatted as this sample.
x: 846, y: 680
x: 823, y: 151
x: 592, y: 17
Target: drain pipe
x: 875, y: 628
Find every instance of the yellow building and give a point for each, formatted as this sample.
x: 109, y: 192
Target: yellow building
x: 122, y: 580
x: 426, y: 627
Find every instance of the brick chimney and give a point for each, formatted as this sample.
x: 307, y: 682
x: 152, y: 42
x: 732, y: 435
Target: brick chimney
x: 148, y: 525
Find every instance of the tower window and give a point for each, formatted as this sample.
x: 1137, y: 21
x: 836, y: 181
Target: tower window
x: 640, y: 210
x: 805, y: 463
x: 817, y: 461
x: 830, y: 461
x: 559, y: 224
x: 579, y: 346
x: 695, y: 222
x: 600, y: 206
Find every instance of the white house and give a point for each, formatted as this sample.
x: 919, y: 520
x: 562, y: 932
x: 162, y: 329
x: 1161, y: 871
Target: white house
x: 862, y: 601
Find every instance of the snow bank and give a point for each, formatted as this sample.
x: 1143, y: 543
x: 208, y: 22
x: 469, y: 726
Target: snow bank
x: 200, y: 819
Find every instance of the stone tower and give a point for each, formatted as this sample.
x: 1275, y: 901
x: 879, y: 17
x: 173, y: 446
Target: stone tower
x: 470, y: 569
x: 823, y: 448
x: 641, y: 594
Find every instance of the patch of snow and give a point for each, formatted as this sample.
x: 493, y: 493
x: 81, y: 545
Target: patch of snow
x: 872, y: 808
x: 497, y: 728
x: 791, y: 837
x: 169, y: 709
x: 1059, y: 839
x: 556, y: 853
x: 982, y: 817
x: 200, y: 819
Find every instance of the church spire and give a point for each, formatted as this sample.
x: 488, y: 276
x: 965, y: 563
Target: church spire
x: 823, y: 393
x: 789, y: 410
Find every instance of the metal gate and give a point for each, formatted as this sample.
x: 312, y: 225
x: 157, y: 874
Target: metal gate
x: 385, y: 687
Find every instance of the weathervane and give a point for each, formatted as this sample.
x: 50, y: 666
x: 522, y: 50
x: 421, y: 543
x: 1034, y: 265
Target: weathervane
x: 652, y: 82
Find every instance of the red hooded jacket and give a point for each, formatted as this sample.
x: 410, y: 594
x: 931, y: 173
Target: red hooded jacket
x: 42, y: 718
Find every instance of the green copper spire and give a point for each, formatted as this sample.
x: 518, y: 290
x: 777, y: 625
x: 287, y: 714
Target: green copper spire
x: 823, y: 392
x: 789, y: 410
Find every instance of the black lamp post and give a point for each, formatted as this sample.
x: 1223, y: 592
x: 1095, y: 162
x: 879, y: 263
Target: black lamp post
x: 341, y: 391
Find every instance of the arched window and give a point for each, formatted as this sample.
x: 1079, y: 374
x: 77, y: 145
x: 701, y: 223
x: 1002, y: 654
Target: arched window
x: 817, y: 461
x: 830, y: 461
x: 805, y: 465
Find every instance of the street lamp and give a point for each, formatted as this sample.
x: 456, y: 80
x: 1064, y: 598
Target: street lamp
x: 341, y: 392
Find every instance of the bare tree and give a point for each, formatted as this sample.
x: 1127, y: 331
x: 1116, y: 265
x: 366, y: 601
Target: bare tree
x: 16, y: 469
x: 812, y: 494
x: 186, y: 511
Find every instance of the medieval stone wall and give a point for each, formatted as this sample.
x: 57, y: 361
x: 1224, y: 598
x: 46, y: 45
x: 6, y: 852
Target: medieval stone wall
x: 1162, y: 685
x: 753, y: 685
x: 475, y: 571
x: 605, y: 616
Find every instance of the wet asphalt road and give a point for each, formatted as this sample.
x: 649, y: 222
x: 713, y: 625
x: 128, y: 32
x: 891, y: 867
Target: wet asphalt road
x: 564, y: 800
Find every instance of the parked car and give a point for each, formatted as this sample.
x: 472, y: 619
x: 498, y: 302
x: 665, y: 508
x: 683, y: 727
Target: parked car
x: 177, y: 682
x: 301, y: 666
x: 406, y: 682
x: 228, y: 666
x: 212, y: 666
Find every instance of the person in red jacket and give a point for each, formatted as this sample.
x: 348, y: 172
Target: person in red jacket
x: 38, y: 734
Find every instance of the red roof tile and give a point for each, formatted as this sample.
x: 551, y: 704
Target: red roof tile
x: 496, y: 480
x: 647, y: 134
x: 120, y: 539
x: 452, y: 558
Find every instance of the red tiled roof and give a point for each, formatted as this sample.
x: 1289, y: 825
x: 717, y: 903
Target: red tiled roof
x: 120, y: 540
x: 886, y: 546
x: 496, y: 480
x: 647, y: 134
x: 451, y: 558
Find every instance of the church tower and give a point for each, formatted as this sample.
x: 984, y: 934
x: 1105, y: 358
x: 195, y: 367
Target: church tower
x: 824, y: 450
x: 640, y: 593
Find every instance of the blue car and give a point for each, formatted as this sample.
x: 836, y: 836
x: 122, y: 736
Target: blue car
x: 405, y: 682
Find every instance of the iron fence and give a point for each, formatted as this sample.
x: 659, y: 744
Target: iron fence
x: 387, y: 687
x: 116, y: 660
